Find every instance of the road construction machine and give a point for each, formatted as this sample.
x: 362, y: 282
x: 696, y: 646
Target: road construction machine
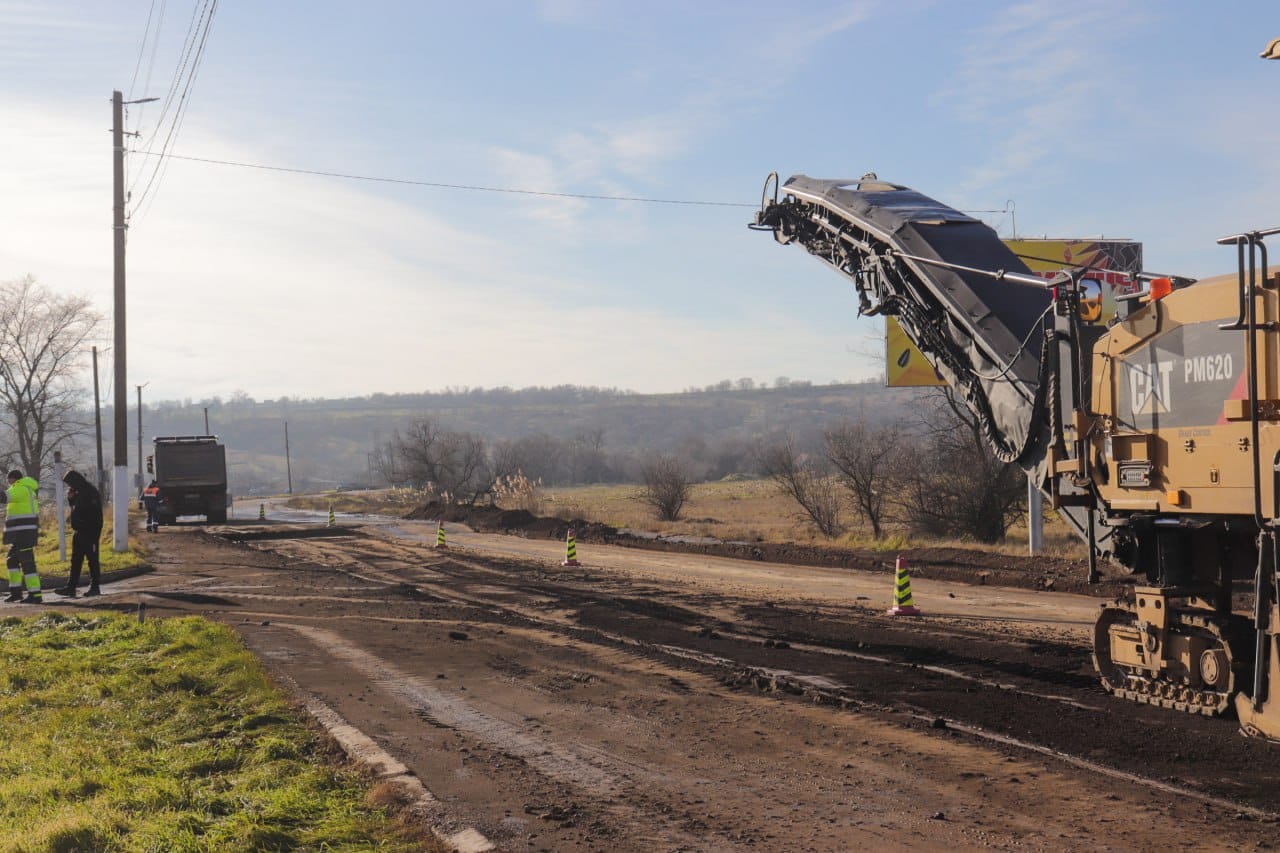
x: 1155, y: 434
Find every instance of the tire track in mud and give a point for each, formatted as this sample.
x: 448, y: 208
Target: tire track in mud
x: 590, y: 769
x: 450, y: 577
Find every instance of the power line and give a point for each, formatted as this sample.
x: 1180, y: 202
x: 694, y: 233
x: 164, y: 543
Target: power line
x: 440, y: 185
x: 203, y: 28
x: 155, y: 43
x: 180, y: 115
x: 151, y: 67
x: 183, y: 53
x: 197, y: 32
x: 142, y: 48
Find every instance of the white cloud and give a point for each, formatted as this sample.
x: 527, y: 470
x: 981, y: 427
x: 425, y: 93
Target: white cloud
x: 293, y: 285
x: 801, y: 31
x: 539, y: 173
x: 628, y: 149
x: 1034, y: 74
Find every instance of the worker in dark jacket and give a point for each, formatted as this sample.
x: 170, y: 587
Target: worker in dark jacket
x: 21, y: 529
x: 86, y: 532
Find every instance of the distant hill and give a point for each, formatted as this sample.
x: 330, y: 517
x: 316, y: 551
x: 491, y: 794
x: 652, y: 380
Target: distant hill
x: 330, y: 440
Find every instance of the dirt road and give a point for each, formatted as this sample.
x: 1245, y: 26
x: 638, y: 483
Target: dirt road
x: 647, y: 701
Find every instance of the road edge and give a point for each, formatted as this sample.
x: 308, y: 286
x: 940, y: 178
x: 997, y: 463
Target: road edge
x: 363, y: 750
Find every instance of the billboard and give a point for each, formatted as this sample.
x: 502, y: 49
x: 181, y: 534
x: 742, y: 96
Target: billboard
x: 1110, y: 261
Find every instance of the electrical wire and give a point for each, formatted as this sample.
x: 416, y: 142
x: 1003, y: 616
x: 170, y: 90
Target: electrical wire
x: 183, y: 55
x: 203, y: 28
x: 193, y: 36
x: 142, y: 48
x: 155, y: 43
x: 1061, y: 265
x: 146, y: 84
x: 137, y: 65
x: 180, y: 115
x: 1022, y: 348
x: 440, y: 185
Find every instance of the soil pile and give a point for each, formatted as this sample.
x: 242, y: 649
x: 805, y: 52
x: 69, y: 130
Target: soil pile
x: 515, y: 522
x: 969, y: 565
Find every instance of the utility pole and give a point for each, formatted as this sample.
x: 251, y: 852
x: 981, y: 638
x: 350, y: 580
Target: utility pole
x: 288, y: 467
x: 120, y: 494
x: 60, y: 502
x: 100, y: 480
x: 1035, y: 517
x: 206, y: 421
x: 140, y: 387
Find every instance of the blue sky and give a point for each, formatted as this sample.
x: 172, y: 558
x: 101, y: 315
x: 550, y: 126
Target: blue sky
x: 1154, y: 121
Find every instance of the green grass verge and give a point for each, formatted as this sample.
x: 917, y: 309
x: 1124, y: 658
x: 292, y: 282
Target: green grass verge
x: 166, y: 735
x: 53, y: 570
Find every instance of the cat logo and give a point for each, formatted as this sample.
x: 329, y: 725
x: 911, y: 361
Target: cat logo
x: 1149, y: 388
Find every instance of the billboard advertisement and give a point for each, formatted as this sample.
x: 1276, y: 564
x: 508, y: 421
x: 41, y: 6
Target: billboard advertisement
x: 1110, y: 262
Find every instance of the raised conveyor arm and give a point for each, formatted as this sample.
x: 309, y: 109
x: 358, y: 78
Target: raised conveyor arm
x: 931, y: 267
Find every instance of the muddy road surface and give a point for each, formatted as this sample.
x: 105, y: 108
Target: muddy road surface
x: 649, y: 701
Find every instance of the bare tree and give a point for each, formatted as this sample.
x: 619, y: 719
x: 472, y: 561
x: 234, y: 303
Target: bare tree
x: 383, y: 461
x: 666, y: 486
x: 455, y: 463
x: 806, y: 480
x: 864, y: 457
x: 541, y: 457
x: 42, y: 347
x: 586, y: 456
x: 950, y: 484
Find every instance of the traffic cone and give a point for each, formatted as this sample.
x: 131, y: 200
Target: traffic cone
x: 262, y: 512
x: 570, y: 550
x: 332, y: 521
x: 902, y: 604
x: 440, y: 536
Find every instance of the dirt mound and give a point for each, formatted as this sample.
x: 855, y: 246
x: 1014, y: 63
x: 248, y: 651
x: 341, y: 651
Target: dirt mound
x: 516, y: 522
x: 969, y: 565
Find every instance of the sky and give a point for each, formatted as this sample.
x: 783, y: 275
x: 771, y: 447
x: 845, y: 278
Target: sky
x: 1149, y: 120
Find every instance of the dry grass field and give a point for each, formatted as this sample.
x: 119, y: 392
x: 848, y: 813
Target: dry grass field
x: 731, y: 509
x: 753, y: 510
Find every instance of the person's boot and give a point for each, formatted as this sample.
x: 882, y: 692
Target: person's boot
x: 92, y: 590
x: 15, y: 595
x: 34, y: 597
x: 68, y: 591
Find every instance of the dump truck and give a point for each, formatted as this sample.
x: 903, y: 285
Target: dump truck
x: 1155, y: 435
x: 191, y: 474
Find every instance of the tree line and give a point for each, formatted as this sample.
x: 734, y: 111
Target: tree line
x: 928, y: 472
x: 933, y: 474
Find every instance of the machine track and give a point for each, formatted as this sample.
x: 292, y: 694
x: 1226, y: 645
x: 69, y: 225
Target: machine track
x: 1160, y: 690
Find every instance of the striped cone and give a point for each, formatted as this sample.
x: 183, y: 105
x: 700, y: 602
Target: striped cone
x: 262, y: 512
x: 332, y: 520
x: 440, y: 536
x: 902, y: 604
x: 570, y: 550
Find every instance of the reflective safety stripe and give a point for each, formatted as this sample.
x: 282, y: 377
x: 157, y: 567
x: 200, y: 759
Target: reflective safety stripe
x: 902, y: 589
x: 33, y: 582
x: 15, y: 579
